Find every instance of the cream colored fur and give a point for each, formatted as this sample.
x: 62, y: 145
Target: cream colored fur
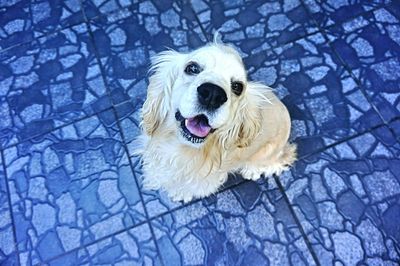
x: 251, y: 133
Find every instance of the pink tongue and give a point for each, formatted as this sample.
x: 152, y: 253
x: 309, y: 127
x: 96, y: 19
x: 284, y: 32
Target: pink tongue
x: 197, y: 127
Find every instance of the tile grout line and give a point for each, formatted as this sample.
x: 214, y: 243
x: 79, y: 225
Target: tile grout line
x: 297, y: 221
x: 124, y: 143
x: 11, y: 211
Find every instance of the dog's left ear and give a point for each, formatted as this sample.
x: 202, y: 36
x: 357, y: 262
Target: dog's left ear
x: 163, y: 74
x: 248, y: 118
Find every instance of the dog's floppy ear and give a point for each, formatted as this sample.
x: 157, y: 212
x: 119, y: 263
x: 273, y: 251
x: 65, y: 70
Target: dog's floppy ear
x: 249, y: 125
x: 248, y: 117
x: 163, y: 73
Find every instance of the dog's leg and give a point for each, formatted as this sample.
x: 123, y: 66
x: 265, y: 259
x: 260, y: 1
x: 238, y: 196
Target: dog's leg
x: 269, y: 164
x: 197, y: 188
x: 250, y: 172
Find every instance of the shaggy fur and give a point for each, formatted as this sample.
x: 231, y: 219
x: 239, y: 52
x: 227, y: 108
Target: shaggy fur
x: 251, y: 130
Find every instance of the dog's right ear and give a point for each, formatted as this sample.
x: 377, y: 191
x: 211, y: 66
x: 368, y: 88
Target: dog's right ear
x: 163, y: 72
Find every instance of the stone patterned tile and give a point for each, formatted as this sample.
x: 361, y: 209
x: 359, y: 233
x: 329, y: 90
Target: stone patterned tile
x: 324, y: 101
x: 370, y: 46
x: 254, y: 25
x: 348, y: 200
x: 22, y: 21
x: 71, y: 187
x: 126, y: 39
x: 49, y: 82
x: 248, y: 225
x: 132, y: 247
x: 331, y: 12
x: 7, y: 242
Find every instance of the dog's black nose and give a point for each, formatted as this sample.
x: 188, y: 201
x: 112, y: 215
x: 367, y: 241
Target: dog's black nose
x: 211, y: 96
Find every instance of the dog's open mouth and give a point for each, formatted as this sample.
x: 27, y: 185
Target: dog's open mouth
x: 195, y: 129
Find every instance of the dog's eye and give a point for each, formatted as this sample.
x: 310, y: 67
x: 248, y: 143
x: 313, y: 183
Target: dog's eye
x: 237, y: 87
x: 192, y: 69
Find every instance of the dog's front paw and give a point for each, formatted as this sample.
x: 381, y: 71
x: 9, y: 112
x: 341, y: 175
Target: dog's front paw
x: 250, y: 173
x: 181, y: 198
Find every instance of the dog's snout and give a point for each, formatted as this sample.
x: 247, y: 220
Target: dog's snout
x: 211, y: 96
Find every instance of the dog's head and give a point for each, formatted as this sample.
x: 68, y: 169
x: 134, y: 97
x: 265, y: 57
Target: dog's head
x: 202, y: 95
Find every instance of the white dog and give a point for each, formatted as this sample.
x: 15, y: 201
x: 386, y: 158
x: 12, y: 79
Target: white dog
x: 202, y: 119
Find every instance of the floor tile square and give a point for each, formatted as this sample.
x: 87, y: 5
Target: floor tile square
x: 248, y: 225
x: 71, y: 187
x: 127, y: 39
x: 132, y: 247
x: 22, y: 21
x: 49, y: 82
x: 370, y: 46
x: 254, y: 25
x: 348, y: 200
x: 325, y: 103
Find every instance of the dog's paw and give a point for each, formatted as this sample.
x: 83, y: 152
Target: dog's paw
x: 251, y: 173
x: 182, y: 198
x: 275, y: 169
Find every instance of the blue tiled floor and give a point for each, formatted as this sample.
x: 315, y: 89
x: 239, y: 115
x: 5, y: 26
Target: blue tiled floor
x: 72, y: 80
